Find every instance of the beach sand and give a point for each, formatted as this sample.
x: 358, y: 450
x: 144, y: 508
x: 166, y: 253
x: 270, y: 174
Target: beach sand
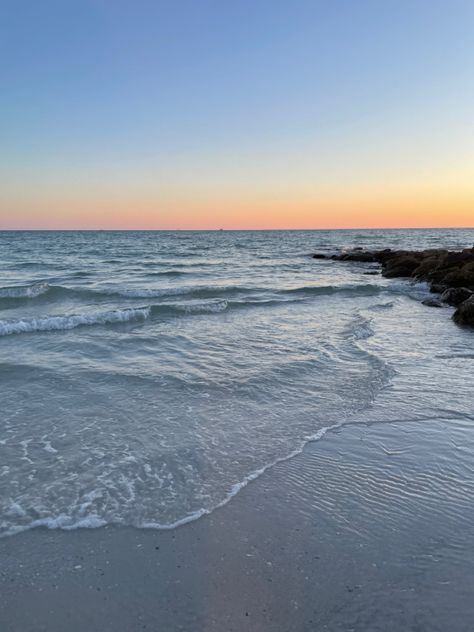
x: 370, y: 528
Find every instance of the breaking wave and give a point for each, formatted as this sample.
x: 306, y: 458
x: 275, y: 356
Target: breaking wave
x: 53, y: 323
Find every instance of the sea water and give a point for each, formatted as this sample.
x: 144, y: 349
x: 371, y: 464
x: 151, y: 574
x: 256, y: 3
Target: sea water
x: 146, y: 377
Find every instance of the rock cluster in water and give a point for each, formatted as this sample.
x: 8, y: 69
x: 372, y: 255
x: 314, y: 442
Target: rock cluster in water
x: 449, y: 273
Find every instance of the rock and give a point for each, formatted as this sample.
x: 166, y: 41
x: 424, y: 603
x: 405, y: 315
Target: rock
x: 427, y: 265
x: 319, y: 255
x: 464, y: 315
x: 432, y: 302
x: 460, y: 277
x: 456, y: 295
x: 438, y: 288
x: 372, y: 272
x: 436, y: 275
x: 402, y: 266
x: 458, y: 258
x: 359, y: 255
x: 384, y: 255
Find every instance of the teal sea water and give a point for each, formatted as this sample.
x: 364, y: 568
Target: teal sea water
x: 145, y: 377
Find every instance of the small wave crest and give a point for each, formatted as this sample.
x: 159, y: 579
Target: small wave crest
x: 187, y: 292
x: 55, y: 323
x: 227, y: 291
x: 26, y: 291
x: 208, y: 307
x: 361, y: 328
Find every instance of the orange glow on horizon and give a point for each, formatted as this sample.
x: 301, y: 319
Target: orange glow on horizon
x: 408, y: 209
x: 320, y: 218
x: 442, y: 198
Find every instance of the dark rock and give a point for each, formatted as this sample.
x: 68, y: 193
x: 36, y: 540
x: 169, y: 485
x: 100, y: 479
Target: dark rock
x: 372, y: 272
x: 456, y: 295
x: 438, y: 288
x: 434, y: 252
x: 359, y: 255
x: 460, y: 277
x: 402, y: 266
x: 432, y: 302
x: 427, y: 265
x: 384, y: 255
x: 436, y: 275
x: 458, y: 258
x: 464, y: 315
x: 319, y: 255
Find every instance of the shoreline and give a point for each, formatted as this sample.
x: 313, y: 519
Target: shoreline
x: 88, y: 524
x: 361, y: 531
x: 45, y: 524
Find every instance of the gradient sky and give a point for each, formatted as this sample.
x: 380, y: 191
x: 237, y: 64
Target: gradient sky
x: 236, y: 114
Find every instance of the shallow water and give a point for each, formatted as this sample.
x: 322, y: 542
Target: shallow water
x: 146, y: 377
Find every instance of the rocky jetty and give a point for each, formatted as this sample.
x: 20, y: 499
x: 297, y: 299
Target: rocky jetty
x: 449, y: 273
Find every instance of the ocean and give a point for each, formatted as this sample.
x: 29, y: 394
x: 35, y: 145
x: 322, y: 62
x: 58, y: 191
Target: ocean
x: 146, y: 377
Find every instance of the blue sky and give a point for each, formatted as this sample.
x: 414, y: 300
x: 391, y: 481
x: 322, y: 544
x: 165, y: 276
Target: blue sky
x: 163, y: 101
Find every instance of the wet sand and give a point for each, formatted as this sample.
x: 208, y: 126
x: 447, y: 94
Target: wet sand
x: 371, y: 528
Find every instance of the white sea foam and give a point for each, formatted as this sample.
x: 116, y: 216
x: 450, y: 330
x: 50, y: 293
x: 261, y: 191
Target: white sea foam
x: 213, y: 307
x: 413, y: 289
x: 53, y: 323
x: 69, y: 523
x: 147, y: 292
x: 180, y: 290
x: 237, y: 487
x: 63, y: 521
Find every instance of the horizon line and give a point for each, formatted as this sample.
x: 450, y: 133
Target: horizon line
x: 225, y: 230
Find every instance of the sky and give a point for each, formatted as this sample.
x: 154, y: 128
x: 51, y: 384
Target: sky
x: 236, y: 114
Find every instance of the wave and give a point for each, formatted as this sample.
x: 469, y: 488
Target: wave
x: 82, y: 273
x: 229, y: 290
x: 67, y: 522
x: 194, y: 291
x: 25, y: 291
x: 189, y: 306
x: 211, y: 291
x: 175, y: 309
x: 37, y: 265
x: 168, y: 273
x: 211, y: 307
x: 202, y: 291
x: 233, y: 491
x: 199, y: 308
x: 55, y: 323
x: 58, y: 323
x: 215, y: 300
x: 360, y: 328
x: 366, y: 289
